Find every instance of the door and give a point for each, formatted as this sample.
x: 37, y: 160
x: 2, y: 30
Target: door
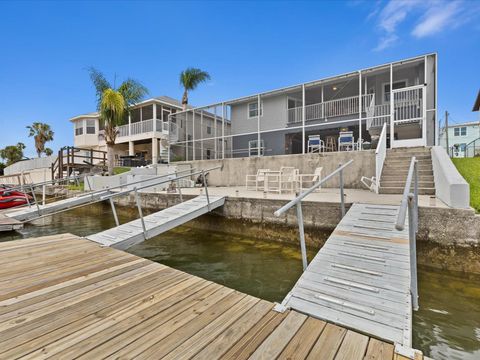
x: 409, y: 113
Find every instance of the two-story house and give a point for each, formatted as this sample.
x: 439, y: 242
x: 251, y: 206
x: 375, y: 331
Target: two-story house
x: 459, y: 137
x: 402, y: 95
x: 147, y: 133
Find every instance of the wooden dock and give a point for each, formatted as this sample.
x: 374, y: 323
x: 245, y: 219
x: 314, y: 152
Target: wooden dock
x: 66, y: 297
x: 360, y: 278
x: 133, y: 232
x: 33, y: 212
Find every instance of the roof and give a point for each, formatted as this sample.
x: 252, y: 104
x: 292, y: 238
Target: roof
x: 167, y: 100
x: 470, y: 123
x: 476, y: 106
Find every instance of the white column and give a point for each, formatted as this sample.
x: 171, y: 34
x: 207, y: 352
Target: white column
x: 391, y: 106
x: 186, y: 135
x: 223, y: 130
x: 359, y: 110
x: 129, y: 124
x: 193, y: 134
x: 259, y: 104
x: 303, y: 118
x: 323, y: 106
x: 131, y: 148
x: 154, y: 106
x: 201, y: 135
x: 215, y: 126
x: 154, y: 150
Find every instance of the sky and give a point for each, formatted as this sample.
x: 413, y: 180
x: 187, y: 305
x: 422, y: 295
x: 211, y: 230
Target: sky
x: 247, y: 47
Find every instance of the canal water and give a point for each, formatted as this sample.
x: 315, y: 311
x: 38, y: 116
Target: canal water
x: 447, y: 326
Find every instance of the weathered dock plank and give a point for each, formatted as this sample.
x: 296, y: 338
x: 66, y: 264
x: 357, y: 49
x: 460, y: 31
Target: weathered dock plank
x: 129, y: 307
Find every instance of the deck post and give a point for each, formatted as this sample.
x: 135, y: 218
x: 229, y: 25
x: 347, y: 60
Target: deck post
x: 302, y: 235
x: 392, y: 115
x: 360, y: 139
x: 114, y: 211
x: 342, y: 194
x: 223, y: 130
x: 413, y: 250
x: 206, y: 189
x: 193, y: 135
x: 303, y: 118
x: 139, y: 207
x: 258, y: 125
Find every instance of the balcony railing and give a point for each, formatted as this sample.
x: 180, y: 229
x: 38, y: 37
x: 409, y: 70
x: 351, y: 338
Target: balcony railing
x: 331, y: 108
x: 142, y: 127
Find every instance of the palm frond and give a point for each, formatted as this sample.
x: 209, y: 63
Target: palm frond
x: 132, y: 91
x: 112, y: 109
x: 190, y: 78
x: 99, y: 82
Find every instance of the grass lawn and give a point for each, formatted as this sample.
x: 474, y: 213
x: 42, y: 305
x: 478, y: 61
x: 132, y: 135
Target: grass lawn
x: 120, y: 169
x: 470, y: 170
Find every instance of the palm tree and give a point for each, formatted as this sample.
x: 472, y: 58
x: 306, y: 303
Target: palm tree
x: 190, y: 78
x: 113, y: 105
x: 42, y: 133
x: 12, y: 153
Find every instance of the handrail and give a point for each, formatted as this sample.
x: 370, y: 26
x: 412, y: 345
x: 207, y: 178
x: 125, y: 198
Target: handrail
x: 402, y: 213
x: 411, y: 201
x: 106, y: 197
x: 380, y: 155
x: 299, y: 198
x: 298, y: 203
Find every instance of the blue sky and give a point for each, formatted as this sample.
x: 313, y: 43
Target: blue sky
x: 247, y: 47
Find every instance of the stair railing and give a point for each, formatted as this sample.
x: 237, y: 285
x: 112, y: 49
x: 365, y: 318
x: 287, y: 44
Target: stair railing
x: 410, y: 201
x: 297, y: 202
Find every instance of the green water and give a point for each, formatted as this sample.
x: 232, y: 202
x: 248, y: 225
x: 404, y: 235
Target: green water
x: 447, y: 326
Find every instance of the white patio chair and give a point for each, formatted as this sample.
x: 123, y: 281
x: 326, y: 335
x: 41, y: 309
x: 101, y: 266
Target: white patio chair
x: 315, y: 144
x: 288, y: 179
x: 258, y: 180
x: 346, y: 141
x: 310, y: 179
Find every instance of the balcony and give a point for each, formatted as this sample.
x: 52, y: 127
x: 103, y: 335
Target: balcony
x: 140, y: 128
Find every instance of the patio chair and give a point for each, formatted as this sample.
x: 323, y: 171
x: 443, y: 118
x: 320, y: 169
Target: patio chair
x: 315, y: 144
x: 257, y: 180
x: 346, y: 141
x: 310, y: 179
x: 288, y: 179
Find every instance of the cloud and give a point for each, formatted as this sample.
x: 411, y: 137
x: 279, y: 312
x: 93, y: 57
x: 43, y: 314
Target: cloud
x: 435, y: 16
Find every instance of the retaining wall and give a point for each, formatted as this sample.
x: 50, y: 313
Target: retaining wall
x: 234, y: 171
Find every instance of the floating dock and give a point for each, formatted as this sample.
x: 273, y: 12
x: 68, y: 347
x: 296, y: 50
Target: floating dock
x: 74, y: 298
x: 134, y: 232
x: 360, y: 278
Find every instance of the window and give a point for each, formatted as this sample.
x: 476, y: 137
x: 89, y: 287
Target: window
x: 208, y: 154
x: 293, y: 103
x: 460, y: 131
x: 135, y: 115
x: 209, y: 130
x: 79, y: 128
x: 147, y: 112
x: 253, y: 109
x: 396, y: 85
x: 90, y: 126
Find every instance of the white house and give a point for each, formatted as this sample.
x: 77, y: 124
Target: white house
x: 460, y: 138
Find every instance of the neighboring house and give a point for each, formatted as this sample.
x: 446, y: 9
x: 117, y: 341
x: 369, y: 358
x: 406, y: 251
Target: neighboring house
x: 280, y: 121
x: 460, y: 138
x: 146, y: 135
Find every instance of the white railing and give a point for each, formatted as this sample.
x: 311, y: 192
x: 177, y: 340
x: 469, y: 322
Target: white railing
x: 380, y: 154
x: 408, y: 103
x: 122, y: 130
x: 141, y: 127
x: 332, y: 108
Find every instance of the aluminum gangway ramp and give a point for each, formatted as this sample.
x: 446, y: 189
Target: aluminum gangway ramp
x: 36, y: 211
x: 360, y: 278
x: 136, y: 231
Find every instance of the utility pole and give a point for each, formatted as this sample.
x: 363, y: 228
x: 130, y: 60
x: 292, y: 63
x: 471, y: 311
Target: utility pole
x: 446, y: 132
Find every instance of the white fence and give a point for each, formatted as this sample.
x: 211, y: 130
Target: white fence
x: 331, y: 108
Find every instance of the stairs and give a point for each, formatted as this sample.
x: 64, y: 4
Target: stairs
x: 395, y: 171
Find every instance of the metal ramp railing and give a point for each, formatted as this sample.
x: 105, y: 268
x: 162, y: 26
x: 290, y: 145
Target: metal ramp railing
x: 297, y: 202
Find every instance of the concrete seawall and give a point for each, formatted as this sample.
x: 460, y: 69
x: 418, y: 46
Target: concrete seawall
x: 447, y: 238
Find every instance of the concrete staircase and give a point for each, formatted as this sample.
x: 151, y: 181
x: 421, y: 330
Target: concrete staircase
x: 395, y: 171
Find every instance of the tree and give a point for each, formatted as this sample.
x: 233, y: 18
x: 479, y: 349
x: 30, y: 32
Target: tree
x: 190, y: 78
x: 113, y: 105
x: 42, y: 133
x: 12, y: 153
x: 48, y: 151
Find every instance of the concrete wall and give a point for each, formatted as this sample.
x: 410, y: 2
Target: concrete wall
x: 235, y: 170
x: 31, y: 164
x: 450, y: 186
